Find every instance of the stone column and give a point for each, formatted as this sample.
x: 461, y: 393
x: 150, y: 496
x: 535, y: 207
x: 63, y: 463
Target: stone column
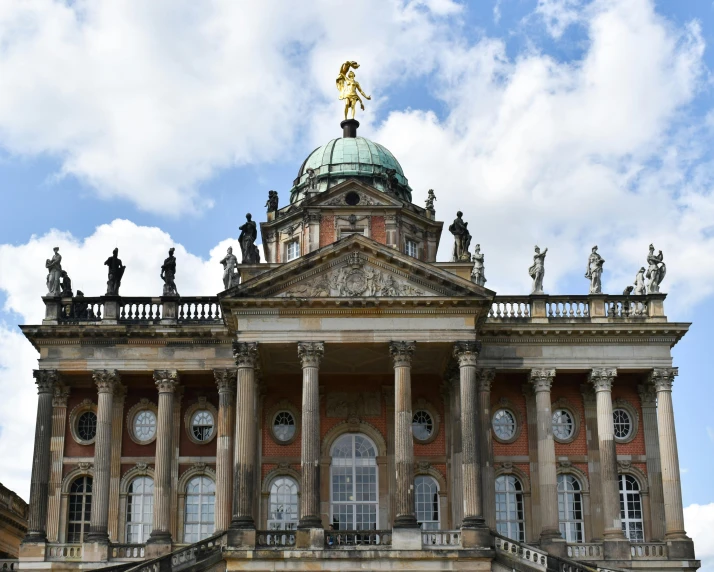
x: 39, y: 481
x: 59, y: 425
x: 550, y: 538
x: 106, y: 381
x: 680, y: 545
x: 488, y: 473
x: 166, y: 382
x: 246, y: 356
x: 615, y: 546
x: 114, y: 481
x: 533, y: 526
x: 648, y: 399
x: 474, y: 530
x: 456, y: 484
x: 594, y: 532
x: 226, y: 382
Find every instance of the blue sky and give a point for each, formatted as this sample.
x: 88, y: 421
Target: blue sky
x: 559, y: 122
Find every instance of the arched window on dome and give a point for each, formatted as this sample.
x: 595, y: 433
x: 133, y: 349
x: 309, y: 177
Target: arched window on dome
x: 354, y: 493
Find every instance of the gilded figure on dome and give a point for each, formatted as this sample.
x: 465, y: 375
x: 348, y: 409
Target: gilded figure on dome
x: 349, y: 88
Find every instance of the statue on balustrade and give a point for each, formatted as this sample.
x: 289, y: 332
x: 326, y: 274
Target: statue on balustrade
x: 430, y: 198
x: 168, y: 274
x: 54, y: 274
x: 231, y: 274
x: 477, y: 274
x: 640, y: 289
x: 462, y: 238
x: 272, y: 203
x: 656, y: 270
x: 593, y: 272
x: 66, y: 285
x: 537, y: 271
x: 248, y: 235
x: 116, y: 272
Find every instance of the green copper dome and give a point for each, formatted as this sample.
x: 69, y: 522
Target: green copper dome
x: 347, y: 158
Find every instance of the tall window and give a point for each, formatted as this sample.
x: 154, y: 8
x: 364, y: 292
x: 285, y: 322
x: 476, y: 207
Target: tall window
x: 200, y: 504
x: 510, y: 519
x: 139, y: 510
x: 631, y: 509
x: 570, y: 508
x: 427, y: 502
x: 354, y: 483
x: 293, y: 250
x: 80, y: 509
x: 283, y: 504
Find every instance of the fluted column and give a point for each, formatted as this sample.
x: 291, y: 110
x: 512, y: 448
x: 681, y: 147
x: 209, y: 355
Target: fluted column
x: 456, y: 485
x: 310, y: 354
x: 401, y: 353
x: 226, y: 382
x: 59, y: 425
x: 246, y: 356
x: 106, y: 381
x: 648, y: 399
x: 39, y: 483
x: 166, y: 382
x: 488, y: 474
x: 542, y: 379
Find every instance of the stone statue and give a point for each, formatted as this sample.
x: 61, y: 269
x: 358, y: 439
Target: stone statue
x: 272, y: 203
x: 168, y: 274
x: 593, y: 272
x: 231, y: 275
x: 350, y: 88
x: 116, y: 272
x: 477, y: 274
x: 54, y: 273
x: 431, y: 197
x: 462, y: 238
x: 248, y: 235
x: 311, y: 179
x: 80, y: 308
x: 390, y: 181
x: 537, y: 271
x: 66, y: 285
x: 640, y: 289
x: 656, y: 270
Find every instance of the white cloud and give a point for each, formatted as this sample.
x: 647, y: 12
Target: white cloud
x: 699, y: 523
x: 559, y: 14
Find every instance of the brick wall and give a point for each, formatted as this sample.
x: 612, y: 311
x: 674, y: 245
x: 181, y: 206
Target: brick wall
x: 327, y: 230
x: 379, y: 230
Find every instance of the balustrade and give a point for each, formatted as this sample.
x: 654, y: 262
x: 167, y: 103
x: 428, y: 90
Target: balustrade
x: 8, y: 565
x: 81, y: 309
x: 568, y: 307
x: 626, y: 306
x: 441, y: 538
x: 522, y: 552
x: 199, y: 309
x: 127, y: 552
x: 585, y: 551
x: 354, y: 538
x: 510, y: 308
x: 649, y: 550
x: 282, y: 538
x: 139, y: 309
x: 63, y: 552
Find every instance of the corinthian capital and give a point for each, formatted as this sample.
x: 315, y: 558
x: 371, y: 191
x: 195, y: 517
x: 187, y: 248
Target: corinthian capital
x: 648, y: 395
x: 402, y: 353
x: 60, y: 395
x: 166, y: 380
x: 467, y: 353
x: 541, y: 379
x: 46, y: 379
x: 602, y: 378
x: 663, y: 377
x: 310, y: 353
x: 225, y: 380
x: 484, y: 378
x: 245, y: 353
x: 106, y: 380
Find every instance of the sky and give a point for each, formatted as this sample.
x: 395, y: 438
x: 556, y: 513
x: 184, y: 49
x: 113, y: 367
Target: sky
x: 562, y: 123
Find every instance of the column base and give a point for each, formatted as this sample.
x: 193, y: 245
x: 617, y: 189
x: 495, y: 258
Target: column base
x: 475, y: 533
x: 405, y: 521
x: 242, y: 538
x: 308, y: 522
x: 616, y: 549
x: 34, y: 538
x: 156, y: 548
x: 311, y: 538
x: 680, y: 549
x: 31, y: 550
x: 553, y: 543
x: 242, y: 523
x: 97, y: 538
x: 406, y: 538
x: 159, y: 537
x: 95, y: 551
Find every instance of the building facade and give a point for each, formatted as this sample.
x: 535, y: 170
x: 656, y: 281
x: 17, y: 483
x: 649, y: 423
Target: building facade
x: 351, y: 403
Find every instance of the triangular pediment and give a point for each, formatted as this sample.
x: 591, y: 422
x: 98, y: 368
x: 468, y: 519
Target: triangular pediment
x: 343, y: 195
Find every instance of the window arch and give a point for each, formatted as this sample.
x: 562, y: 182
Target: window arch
x: 426, y: 499
x: 570, y: 508
x: 80, y: 509
x: 510, y: 512
x: 283, y: 504
x: 354, y: 490
x: 139, y: 510
x: 631, y: 508
x: 199, y: 520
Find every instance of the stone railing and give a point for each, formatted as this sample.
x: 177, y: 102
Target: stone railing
x: 128, y: 552
x: 206, y: 551
x: 441, y: 538
x: 534, y: 557
x: 140, y: 310
x: 199, y: 309
x: 270, y: 538
x: 356, y: 538
x: 81, y: 309
x: 8, y: 565
x: 589, y: 551
x: 649, y: 551
x: 63, y: 553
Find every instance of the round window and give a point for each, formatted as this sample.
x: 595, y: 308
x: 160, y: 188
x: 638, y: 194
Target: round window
x: 622, y: 423
x: 563, y: 424
x: 145, y: 425
x: 422, y: 425
x: 504, y: 424
x: 202, y: 425
x: 87, y: 426
x: 352, y: 198
x: 284, y: 426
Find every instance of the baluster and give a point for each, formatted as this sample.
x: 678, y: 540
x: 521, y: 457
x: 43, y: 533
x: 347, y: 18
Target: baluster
x: 203, y: 307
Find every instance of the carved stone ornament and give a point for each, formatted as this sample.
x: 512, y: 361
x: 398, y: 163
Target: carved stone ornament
x: 541, y: 379
x: 402, y: 353
x: 225, y: 380
x: 142, y: 467
x: 84, y: 466
x: 422, y: 466
x: 342, y: 200
x: 166, y: 380
x: 198, y: 466
x: 283, y: 466
x: 60, y: 395
x: 245, y: 353
x: 602, y: 378
x: 45, y: 379
x: 623, y: 466
x: 565, y: 464
x: 663, y: 378
x: 467, y: 353
x: 105, y: 379
x: 344, y: 405
x: 648, y: 395
x: 310, y: 353
x: 484, y: 378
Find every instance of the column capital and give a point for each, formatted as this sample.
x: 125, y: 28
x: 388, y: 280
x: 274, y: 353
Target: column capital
x: 106, y: 380
x: 484, y: 378
x: 663, y: 377
x: 225, y: 380
x: 310, y: 353
x: 60, y: 395
x: 46, y: 379
x: 120, y: 391
x: 166, y: 380
x: 245, y: 354
x: 602, y: 378
x: 648, y: 395
x: 541, y: 379
x: 467, y: 352
x: 402, y: 353
x: 586, y: 390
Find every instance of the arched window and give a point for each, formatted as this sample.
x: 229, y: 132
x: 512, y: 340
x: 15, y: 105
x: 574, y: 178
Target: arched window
x: 80, y: 509
x: 631, y: 508
x: 140, y: 510
x: 510, y: 520
x: 426, y: 499
x: 200, y: 505
x: 283, y: 504
x: 354, y: 483
x: 570, y: 508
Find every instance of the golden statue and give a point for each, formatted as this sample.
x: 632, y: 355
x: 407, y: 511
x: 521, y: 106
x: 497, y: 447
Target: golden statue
x: 350, y: 88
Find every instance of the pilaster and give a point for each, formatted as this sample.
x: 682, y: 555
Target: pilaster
x: 648, y: 399
x: 59, y: 423
x: 115, y: 468
x: 594, y: 532
x: 484, y: 379
x: 226, y: 382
